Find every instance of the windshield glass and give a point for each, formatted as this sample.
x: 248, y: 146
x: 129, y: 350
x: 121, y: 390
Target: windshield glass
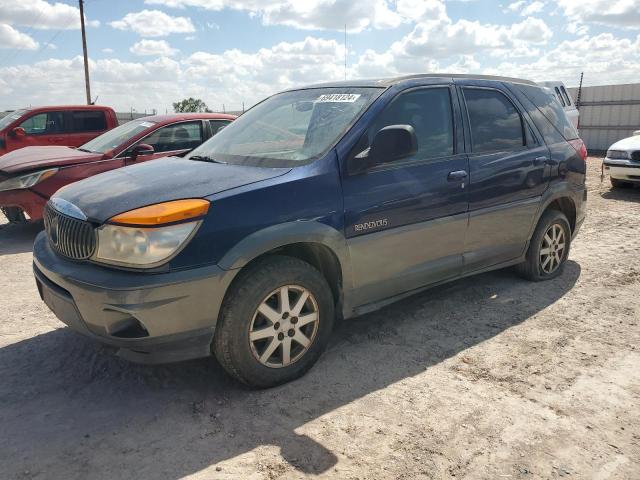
x: 116, y: 137
x: 290, y: 128
x: 11, y: 117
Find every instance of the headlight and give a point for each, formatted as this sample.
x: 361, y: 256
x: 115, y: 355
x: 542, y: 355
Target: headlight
x: 149, y: 236
x: 618, y: 155
x: 26, y: 181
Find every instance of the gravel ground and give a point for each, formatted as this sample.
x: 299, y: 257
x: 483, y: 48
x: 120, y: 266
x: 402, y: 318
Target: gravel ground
x: 488, y: 377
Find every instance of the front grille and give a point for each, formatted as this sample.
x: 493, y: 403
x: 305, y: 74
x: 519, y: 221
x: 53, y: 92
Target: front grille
x: 635, y: 156
x: 69, y: 236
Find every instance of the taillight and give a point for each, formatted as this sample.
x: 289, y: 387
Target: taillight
x: 580, y: 147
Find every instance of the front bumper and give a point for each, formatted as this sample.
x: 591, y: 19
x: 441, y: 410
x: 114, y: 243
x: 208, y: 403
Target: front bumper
x: 147, y: 317
x: 627, y: 170
x: 29, y: 202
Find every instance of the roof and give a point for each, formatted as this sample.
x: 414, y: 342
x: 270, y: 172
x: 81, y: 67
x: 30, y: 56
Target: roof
x: 188, y: 116
x: 388, y: 82
x: 66, y: 107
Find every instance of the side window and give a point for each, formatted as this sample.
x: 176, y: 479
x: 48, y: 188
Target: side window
x: 548, y: 115
x: 566, y: 95
x: 559, y: 95
x: 494, y: 121
x: 43, y: 123
x: 181, y: 136
x: 217, y: 125
x: 429, y: 112
x: 87, y: 121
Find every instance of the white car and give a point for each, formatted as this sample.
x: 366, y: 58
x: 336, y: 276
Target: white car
x: 623, y: 161
x: 568, y: 104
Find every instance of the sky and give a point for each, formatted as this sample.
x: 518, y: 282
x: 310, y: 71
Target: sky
x: 147, y: 54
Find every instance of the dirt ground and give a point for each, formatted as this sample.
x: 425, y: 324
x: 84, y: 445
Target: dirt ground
x: 489, y: 377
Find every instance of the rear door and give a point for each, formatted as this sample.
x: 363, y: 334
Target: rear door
x: 84, y: 125
x: 405, y: 220
x: 509, y: 171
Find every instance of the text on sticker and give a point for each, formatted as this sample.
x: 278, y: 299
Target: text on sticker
x: 338, y: 97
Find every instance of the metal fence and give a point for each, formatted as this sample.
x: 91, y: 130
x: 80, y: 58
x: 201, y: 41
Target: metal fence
x: 608, y: 113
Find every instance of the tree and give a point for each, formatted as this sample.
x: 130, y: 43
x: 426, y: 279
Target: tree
x: 190, y: 105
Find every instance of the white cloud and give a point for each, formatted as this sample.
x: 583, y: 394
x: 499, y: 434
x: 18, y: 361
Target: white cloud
x: 604, y: 59
x: 157, y: 48
x: 443, y: 39
x: 615, y: 13
x: 42, y: 15
x: 153, y: 23
x: 12, y: 38
x: 322, y: 14
x: 525, y: 9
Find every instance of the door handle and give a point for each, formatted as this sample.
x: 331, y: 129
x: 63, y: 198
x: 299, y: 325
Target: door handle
x: 457, y: 176
x: 540, y: 161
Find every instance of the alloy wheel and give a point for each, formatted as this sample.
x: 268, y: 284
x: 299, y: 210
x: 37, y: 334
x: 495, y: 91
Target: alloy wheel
x: 552, y: 248
x: 284, y: 326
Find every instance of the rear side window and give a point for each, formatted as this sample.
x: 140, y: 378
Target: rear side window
x: 429, y: 112
x: 44, y: 123
x: 494, y: 121
x: 216, y: 125
x: 548, y: 115
x: 88, y: 121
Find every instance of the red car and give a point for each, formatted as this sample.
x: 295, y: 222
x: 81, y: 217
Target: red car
x: 29, y: 176
x: 62, y: 125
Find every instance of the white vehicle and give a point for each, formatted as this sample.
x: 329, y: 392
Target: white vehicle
x: 623, y: 161
x: 561, y: 93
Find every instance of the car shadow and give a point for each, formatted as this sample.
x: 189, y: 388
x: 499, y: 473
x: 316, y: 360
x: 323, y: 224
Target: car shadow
x: 18, y: 237
x: 70, y: 409
x: 629, y: 194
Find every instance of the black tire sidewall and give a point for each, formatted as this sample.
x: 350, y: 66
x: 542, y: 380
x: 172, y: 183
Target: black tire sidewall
x: 231, y: 342
x: 549, y: 218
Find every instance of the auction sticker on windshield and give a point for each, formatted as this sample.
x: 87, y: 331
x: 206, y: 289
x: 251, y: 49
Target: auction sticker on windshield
x: 338, y: 97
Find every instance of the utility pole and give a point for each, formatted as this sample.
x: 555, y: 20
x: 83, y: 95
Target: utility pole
x: 345, y: 51
x: 84, y: 51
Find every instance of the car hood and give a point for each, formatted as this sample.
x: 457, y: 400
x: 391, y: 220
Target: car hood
x: 32, y: 158
x: 110, y: 193
x: 630, y: 143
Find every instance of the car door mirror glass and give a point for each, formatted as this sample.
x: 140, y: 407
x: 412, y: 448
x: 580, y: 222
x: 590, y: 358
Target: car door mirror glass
x: 393, y: 143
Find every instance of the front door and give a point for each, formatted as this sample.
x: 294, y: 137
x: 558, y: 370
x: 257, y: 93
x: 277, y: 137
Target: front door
x: 509, y: 171
x: 405, y: 220
x: 41, y: 129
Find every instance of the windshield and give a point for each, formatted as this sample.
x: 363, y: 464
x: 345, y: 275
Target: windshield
x: 11, y: 117
x: 288, y: 129
x: 116, y: 137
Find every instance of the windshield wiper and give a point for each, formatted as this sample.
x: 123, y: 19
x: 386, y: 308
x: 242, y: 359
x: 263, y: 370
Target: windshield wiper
x: 204, y: 158
x: 84, y: 150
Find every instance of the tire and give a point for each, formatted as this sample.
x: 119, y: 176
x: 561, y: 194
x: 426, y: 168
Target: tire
x: 261, y: 286
x: 537, y: 265
x: 615, y: 183
x: 14, y: 214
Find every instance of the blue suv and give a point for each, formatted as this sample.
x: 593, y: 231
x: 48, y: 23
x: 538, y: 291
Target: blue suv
x: 319, y: 203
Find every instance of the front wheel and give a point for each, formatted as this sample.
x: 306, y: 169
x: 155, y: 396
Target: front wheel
x: 549, y: 248
x: 275, y: 322
x: 615, y: 183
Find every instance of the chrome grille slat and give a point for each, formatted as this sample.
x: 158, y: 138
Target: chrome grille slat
x: 69, y: 236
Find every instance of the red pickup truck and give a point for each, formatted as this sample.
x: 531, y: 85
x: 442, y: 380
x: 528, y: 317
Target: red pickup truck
x: 69, y: 126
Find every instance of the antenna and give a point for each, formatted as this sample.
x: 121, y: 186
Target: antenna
x: 345, y: 51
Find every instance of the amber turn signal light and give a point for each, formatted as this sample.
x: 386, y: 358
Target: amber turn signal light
x: 162, y: 213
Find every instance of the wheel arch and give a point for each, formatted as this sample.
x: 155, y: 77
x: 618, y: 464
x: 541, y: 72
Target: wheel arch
x: 318, y: 244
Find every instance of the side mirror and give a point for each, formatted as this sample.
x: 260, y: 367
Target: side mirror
x: 18, y: 132
x: 391, y: 143
x: 141, y: 150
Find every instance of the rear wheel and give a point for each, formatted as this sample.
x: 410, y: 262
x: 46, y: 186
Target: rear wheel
x: 548, y: 249
x: 14, y: 214
x: 275, y: 322
x: 615, y: 183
